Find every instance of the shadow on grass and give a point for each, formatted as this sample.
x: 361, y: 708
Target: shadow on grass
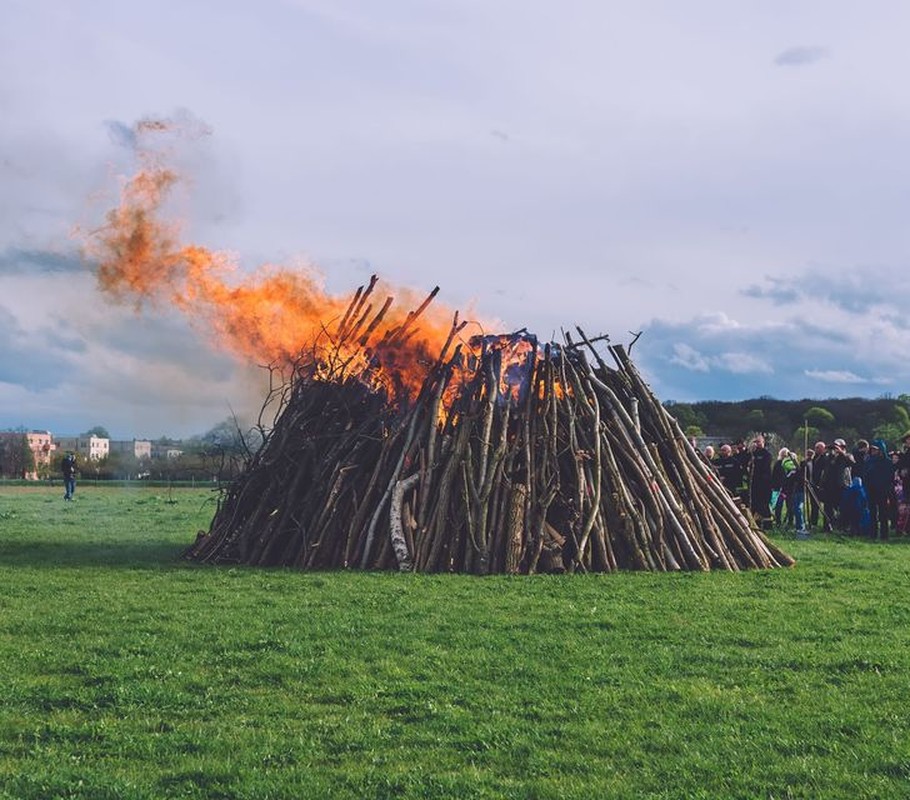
x: 152, y: 554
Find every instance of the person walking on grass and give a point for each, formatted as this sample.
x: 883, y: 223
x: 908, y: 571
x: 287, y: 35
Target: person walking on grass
x: 68, y: 468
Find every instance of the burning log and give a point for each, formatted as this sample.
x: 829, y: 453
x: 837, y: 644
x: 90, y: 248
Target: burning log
x: 513, y: 457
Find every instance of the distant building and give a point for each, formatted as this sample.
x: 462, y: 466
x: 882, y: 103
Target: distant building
x: 41, y: 443
x: 165, y: 450
x: 42, y: 447
x: 93, y: 448
x: 138, y: 448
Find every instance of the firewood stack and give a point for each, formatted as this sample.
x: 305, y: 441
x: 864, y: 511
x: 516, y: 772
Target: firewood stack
x: 512, y: 457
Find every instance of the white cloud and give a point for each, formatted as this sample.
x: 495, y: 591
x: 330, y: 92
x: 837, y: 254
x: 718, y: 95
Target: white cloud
x: 737, y: 363
x: 690, y: 358
x: 742, y: 364
x: 717, y: 322
x: 842, y: 376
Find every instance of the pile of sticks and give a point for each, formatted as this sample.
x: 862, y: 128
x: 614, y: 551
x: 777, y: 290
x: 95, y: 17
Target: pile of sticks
x: 513, y: 457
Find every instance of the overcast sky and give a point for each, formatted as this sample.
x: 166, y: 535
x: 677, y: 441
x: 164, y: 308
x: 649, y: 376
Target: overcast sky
x: 730, y: 178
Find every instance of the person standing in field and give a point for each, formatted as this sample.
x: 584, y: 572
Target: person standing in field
x: 878, y: 477
x: 797, y: 501
x: 838, y: 477
x: 818, y: 459
x: 68, y: 468
x: 728, y: 469
x: 783, y: 480
x: 760, y: 481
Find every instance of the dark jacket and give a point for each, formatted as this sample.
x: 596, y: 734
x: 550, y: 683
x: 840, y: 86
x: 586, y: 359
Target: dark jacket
x: 878, y: 471
x: 760, y: 470
x: 730, y: 472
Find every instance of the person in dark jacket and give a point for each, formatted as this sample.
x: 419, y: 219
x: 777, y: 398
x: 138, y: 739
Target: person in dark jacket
x: 728, y: 469
x: 859, y: 453
x: 68, y: 468
x: 815, y: 471
x: 878, y: 477
x: 743, y: 459
x: 760, y: 481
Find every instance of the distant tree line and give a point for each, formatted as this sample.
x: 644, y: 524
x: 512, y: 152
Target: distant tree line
x: 794, y: 421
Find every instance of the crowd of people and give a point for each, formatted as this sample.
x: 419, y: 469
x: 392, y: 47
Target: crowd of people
x: 863, y: 491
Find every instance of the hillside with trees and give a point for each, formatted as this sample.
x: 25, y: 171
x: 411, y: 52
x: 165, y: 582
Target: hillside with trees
x: 850, y: 418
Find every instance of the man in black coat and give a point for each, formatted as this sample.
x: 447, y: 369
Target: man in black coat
x: 728, y: 469
x: 878, y: 478
x: 760, y: 481
x: 68, y: 468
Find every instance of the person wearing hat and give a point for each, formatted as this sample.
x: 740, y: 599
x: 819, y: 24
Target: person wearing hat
x: 837, y: 477
x: 860, y: 451
x: 878, y: 477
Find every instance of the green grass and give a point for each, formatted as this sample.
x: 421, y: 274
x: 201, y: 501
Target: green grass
x: 127, y: 673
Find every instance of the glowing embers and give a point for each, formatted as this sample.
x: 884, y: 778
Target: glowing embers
x: 509, y: 359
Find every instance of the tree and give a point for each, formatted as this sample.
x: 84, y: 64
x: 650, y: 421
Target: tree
x: 819, y: 415
x: 902, y: 415
x: 225, y: 448
x: 122, y: 466
x: 99, y: 430
x: 890, y: 432
x: 16, y: 457
x: 804, y: 437
x: 686, y: 415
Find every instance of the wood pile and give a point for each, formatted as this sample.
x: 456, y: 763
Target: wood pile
x: 513, y: 456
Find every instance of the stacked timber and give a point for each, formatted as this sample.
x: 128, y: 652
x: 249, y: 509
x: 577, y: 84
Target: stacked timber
x: 514, y: 456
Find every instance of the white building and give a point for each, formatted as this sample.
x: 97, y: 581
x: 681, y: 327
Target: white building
x: 138, y: 448
x: 93, y: 448
x: 165, y: 450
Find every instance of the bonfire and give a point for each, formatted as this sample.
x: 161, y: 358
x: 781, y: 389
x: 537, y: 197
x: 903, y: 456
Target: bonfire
x: 510, y: 455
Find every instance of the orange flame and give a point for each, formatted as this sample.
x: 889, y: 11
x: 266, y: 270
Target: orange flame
x: 276, y: 316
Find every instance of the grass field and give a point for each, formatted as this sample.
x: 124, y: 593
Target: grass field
x: 126, y: 673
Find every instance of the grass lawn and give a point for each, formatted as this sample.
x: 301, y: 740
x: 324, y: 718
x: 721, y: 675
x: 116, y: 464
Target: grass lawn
x: 126, y: 673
